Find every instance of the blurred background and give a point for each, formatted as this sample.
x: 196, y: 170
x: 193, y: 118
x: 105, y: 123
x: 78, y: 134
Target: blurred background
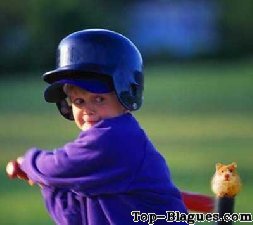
x: 198, y: 107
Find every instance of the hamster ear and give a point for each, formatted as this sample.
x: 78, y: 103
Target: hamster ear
x: 234, y: 164
x: 218, y: 166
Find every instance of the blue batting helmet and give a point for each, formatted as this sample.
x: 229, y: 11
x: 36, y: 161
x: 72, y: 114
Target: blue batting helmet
x: 101, y: 54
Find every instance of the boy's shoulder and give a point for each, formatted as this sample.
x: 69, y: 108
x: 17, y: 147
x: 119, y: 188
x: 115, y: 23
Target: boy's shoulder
x: 122, y: 122
x: 119, y: 124
x: 113, y: 130
x: 115, y: 139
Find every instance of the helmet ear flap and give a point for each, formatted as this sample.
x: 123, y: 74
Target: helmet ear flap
x: 65, y: 109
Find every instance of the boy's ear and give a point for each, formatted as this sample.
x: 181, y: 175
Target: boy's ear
x: 218, y: 166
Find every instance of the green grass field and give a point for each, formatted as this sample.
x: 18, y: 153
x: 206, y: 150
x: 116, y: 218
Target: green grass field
x: 196, y: 115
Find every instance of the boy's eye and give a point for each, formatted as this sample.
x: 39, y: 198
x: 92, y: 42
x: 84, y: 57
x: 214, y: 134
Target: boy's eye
x: 78, y: 101
x: 99, y: 99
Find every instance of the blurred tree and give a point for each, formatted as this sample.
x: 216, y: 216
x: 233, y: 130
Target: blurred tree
x: 50, y: 21
x: 13, y: 36
x: 236, y: 27
x: 31, y: 30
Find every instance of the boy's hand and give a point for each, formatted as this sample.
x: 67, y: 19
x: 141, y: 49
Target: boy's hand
x: 13, y: 170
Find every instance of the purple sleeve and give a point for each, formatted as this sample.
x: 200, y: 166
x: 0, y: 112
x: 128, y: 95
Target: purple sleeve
x: 99, y: 161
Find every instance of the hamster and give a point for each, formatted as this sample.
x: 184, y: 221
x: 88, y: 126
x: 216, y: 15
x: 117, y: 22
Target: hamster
x: 226, y: 182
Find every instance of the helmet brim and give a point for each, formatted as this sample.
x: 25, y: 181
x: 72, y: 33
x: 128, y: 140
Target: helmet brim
x: 55, y: 92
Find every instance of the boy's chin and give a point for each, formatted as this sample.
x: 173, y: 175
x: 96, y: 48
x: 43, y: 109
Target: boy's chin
x: 86, y: 126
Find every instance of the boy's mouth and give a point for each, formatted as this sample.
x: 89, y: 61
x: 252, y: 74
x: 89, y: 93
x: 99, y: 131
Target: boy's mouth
x: 88, y: 124
x: 91, y: 122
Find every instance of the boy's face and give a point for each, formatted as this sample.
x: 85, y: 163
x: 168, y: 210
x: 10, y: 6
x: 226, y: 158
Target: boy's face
x: 89, y: 108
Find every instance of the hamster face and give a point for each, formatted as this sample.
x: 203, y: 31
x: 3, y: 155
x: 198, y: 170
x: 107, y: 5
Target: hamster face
x: 226, y: 172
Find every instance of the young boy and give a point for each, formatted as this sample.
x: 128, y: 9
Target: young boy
x: 111, y: 174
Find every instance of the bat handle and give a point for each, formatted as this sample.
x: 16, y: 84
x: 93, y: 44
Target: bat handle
x: 224, y: 205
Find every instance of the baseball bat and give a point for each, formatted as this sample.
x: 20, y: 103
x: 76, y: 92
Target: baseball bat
x: 224, y: 205
x: 198, y: 202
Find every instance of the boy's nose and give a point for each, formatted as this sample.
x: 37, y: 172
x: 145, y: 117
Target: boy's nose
x: 89, y: 109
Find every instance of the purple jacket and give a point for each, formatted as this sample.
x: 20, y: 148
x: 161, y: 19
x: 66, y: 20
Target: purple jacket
x: 107, y: 172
